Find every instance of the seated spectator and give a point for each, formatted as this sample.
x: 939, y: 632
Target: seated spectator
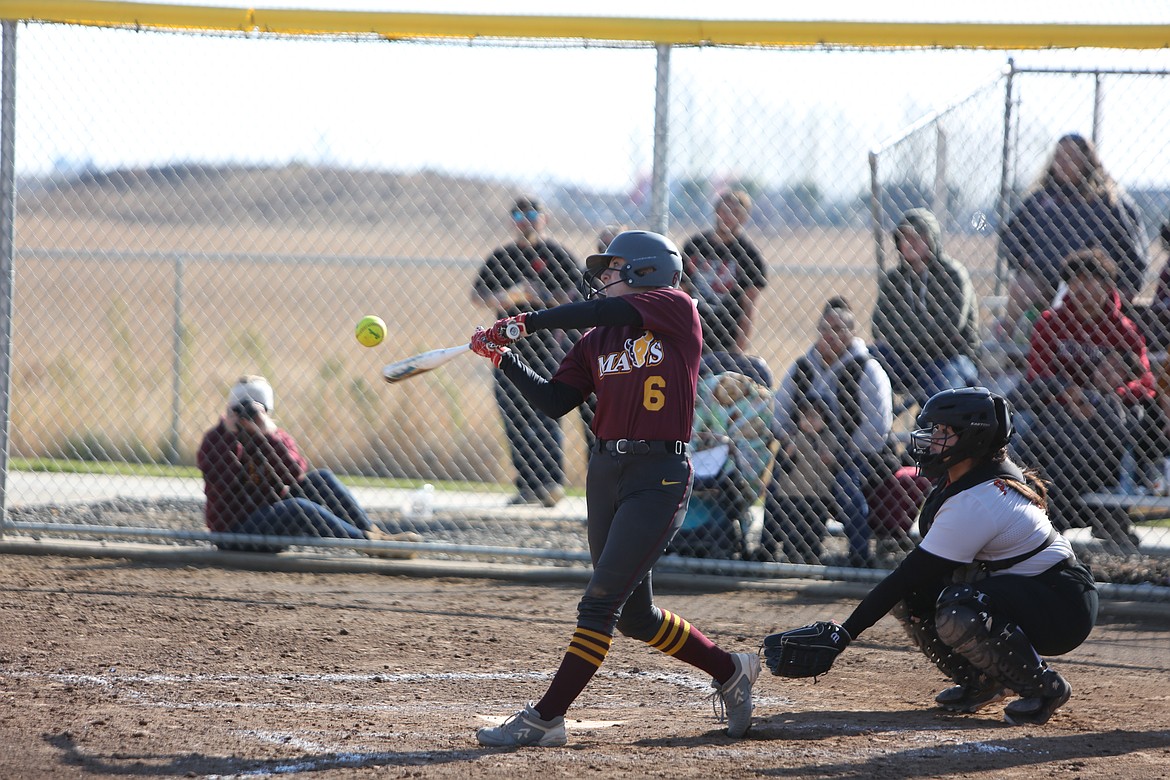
x: 926, y: 321
x: 839, y: 371
x: 257, y: 481
x: 800, y: 500
x: 735, y: 406
x: 1155, y: 320
x: 1070, y: 340
x: 1088, y: 384
x: 1076, y: 204
x: 894, y: 506
x: 1078, y: 441
x: 732, y: 452
x: 751, y: 366
x: 1161, y: 423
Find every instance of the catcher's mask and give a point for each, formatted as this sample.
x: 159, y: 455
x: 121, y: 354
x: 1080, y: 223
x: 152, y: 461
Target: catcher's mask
x: 981, y: 423
x: 652, y: 260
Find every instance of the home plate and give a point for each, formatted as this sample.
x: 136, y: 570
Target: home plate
x: 495, y: 720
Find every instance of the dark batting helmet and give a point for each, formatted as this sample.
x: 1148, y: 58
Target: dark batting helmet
x: 980, y: 419
x: 652, y: 260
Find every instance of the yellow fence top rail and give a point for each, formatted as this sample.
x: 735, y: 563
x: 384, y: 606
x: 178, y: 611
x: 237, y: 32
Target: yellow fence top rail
x: 396, y: 25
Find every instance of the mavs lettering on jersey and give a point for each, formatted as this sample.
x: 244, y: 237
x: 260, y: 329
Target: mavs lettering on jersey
x: 638, y: 353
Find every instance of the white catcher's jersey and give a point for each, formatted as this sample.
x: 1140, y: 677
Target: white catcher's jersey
x: 991, y: 522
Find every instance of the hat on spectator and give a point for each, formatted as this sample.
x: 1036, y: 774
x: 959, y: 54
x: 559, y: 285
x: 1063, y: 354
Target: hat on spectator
x: 251, y: 388
x: 1089, y: 262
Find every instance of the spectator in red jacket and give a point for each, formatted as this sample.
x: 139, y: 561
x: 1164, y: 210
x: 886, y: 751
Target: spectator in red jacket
x: 257, y: 482
x: 1070, y: 340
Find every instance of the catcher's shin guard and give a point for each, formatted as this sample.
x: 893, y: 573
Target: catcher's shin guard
x: 924, y: 635
x: 995, y: 646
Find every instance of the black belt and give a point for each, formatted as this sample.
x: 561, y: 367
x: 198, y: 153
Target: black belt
x: 642, y: 447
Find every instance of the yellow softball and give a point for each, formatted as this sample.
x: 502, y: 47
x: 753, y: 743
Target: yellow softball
x: 370, y: 331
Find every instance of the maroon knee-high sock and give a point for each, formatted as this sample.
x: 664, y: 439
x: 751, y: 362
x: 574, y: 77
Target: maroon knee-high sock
x: 680, y: 639
x: 587, y: 650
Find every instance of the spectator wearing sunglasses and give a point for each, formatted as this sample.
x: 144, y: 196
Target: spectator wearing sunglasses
x: 529, y: 274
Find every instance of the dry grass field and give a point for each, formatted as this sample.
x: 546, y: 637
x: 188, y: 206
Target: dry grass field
x: 275, y: 268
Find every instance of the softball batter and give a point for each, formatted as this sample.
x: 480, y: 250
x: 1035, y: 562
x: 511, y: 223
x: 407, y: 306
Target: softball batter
x: 991, y: 587
x: 642, y: 361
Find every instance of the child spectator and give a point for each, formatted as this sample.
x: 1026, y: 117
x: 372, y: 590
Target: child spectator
x: 732, y: 441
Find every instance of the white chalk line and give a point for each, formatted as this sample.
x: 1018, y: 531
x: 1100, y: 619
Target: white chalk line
x: 112, y: 679
x: 323, y: 756
x: 335, y: 759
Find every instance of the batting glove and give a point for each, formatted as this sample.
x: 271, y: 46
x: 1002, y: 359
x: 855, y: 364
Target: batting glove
x: 484, y: 346
x: 509, y: 329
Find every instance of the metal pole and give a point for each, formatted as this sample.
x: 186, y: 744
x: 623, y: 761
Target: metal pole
x: 7, y: 247
x: 177, y: 354
x: 1098, y: 107
x: 875, y: 211
x: 659, y: 175
x: 1004, y: 172
x: 940, y: 175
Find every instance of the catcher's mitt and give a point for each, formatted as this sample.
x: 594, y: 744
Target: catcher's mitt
x: 808, y: 651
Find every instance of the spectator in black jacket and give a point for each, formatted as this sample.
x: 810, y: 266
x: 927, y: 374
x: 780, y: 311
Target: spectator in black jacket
x: 1075, y: 205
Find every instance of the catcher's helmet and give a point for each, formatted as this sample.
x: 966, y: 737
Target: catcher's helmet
x: 981, y: 420
x: 652, y: 260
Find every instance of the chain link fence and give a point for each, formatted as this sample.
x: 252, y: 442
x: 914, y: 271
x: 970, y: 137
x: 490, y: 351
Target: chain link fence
x: 196, y: 208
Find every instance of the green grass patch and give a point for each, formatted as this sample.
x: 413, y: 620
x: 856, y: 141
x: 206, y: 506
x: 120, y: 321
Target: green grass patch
x: 119, y: 468
x: 127, y: 469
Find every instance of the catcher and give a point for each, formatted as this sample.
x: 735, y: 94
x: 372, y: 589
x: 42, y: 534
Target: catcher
x: 990, y: 588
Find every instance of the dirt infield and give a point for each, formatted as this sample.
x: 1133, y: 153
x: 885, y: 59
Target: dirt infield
x: 115, y: 668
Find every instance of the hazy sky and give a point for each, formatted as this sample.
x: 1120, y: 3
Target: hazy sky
x: 116, y: 98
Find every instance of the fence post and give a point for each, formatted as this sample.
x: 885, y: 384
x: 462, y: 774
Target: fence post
x: 1098, y: 106
x: 1004, y: 172
x: 875, y: 211
x: 7, y: 246
x: 659, y: 192
x: 941, y: 201
x: 179, y: 347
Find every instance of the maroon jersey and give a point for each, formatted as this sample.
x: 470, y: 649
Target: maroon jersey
x: 645, y: 378
x: 240, y: 478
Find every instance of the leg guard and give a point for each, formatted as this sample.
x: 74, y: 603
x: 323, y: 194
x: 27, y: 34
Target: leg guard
x: 924, y: 635
x: 995, y: 646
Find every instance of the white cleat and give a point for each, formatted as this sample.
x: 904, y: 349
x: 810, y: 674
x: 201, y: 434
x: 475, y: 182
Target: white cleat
x: 736, y: 694
x: 526, y: 727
